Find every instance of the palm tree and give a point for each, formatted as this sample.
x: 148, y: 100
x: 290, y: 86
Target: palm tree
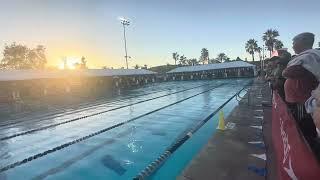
x: 83, y: 64
x: 227, y: 60
x: 222, y: 57
x: 238, y: 59
x: 258, y: 50
x: 204, y: 55
x: 136, y: 66
x: 175, y: 56
x: 269, y: 38
x: 183, y: 60
x: 192, y: 62
x: 214, y: 61
x: 278, y: 44
x: 251, y: 47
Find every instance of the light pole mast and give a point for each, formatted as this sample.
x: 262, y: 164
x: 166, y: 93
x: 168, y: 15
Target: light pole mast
x: 263, y: 56
x: 125, y: 23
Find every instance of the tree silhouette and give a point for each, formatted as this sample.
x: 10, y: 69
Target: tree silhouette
x: 175, y: 56
x: 183, y: 60
x: 269, y: 38
x: 37, y: 57
x: 204, y: 56
x: 227, y: 59
x: 16, y: 56
x: 278, y: 44
x: 238, y: 59
x: 251, y: 47
x: 83, y: 63
x: 192, y: 62
x: 136, y: 66
x: 222, y: 57
x: 258, y: 50
x: 214, y: 61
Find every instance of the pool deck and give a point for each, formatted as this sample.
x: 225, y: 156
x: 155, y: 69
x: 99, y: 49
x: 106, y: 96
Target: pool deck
x: 239, y: 153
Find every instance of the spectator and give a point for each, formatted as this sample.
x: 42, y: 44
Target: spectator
x: 306, y: 57
x: 278, y: 79
x: 271, y: 70
x: 316, y: 114
x: 266, y: 68
x: 313, y: 107
x: 302, y: 74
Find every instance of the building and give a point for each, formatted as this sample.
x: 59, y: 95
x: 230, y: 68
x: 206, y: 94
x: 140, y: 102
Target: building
x: 232, y: 69
x: 32, y: 84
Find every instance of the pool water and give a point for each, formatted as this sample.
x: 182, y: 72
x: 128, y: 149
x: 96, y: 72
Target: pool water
x: 157, y: 120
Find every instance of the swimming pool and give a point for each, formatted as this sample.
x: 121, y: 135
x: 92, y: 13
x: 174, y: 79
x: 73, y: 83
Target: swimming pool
x: 82, y: 144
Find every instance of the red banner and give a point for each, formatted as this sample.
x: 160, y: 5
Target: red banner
x: 295, y: 160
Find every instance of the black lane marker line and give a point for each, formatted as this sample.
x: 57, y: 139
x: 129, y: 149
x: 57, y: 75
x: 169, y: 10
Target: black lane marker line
x: 94, y: 114
x: 154, y: 166
x: 43, y: 118
x: 71, y: 161
x: 31, y: 158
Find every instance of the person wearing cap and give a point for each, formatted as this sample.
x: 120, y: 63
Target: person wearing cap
x: 302, y: 74
x: 279, y: 80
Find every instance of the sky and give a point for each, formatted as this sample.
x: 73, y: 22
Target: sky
x: 91, y: 28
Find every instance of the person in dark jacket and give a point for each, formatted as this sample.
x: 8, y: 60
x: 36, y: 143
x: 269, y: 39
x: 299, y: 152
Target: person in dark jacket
x: 300, y: 81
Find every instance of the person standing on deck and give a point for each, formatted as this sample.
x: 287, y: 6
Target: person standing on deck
x: 302, y: 76
x: 278, y: 79
x: 313, y: 107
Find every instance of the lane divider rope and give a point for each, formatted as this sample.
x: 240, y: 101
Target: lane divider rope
x: 154, y: 166
x: 31, y: 158
x: 98, y: 104
x: 94, y: 114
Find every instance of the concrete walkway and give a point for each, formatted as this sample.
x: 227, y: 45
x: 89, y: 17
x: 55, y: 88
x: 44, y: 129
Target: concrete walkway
x: 238, y: 153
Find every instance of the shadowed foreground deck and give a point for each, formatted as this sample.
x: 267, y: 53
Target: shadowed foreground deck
x: 238, y: 153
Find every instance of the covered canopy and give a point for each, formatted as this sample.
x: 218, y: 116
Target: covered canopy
x: 207, y: 67
x: 15, y: 75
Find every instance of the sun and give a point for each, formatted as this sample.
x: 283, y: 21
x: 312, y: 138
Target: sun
x: 68, y: 63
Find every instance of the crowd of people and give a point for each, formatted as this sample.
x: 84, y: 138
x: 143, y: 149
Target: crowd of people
x: 296, y: 79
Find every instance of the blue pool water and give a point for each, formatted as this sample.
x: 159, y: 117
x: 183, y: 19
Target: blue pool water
x: 122, y: 152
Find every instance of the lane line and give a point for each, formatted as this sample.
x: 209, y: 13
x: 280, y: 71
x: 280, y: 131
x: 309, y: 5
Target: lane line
x: 260, y: 156
x: 179, y: 142
x: 43, y: 118
x: 62, y: 146
x: 94, y: 114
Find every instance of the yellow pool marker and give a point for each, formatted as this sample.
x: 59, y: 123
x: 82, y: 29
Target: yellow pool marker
x: 221, y: 125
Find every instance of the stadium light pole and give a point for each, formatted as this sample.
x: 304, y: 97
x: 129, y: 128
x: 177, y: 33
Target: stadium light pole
x: 263, y: 54
x: 125, y: 23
